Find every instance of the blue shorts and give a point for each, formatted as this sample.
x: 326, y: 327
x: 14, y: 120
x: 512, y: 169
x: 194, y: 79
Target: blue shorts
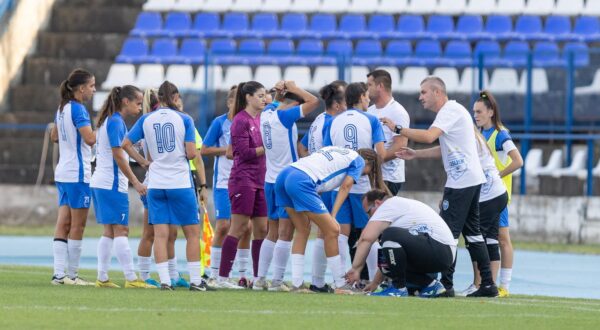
x: 172, y: 207
x: 295, y: 189
x: 222, y: 204
x: 144, y: 200
x: 504, y: 218
x: 111, y: 207
x: 274, y: 212
x: 351, y: 211
x: 327, y: 200
x: 76, y: 195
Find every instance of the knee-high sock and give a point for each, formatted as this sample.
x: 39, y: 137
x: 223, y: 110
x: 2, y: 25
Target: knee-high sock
x: 337, y: 270
x: 266, y: 255
x: 74, y: 247
x: 242, y: 257
x: 144, y: 265
x: 319, y: 263
x: 104, y: 247
x: 372, y: 260
x: 344, y: 250
x: 163, y: 273
x: 281, y: 254
x: 194, y: 270
x: 59, y: 250
x: 228, y: 252
x: 215, y: 261
x: 173, y: 273
x: 123, y: 252
x: 505, y: 277
x: 297, y: 269
x: 256, y: 244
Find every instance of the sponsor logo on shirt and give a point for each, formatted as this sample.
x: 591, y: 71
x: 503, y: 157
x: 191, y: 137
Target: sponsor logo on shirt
x: 489, y: 180
x: 457, y: 164
x: 420, y: 229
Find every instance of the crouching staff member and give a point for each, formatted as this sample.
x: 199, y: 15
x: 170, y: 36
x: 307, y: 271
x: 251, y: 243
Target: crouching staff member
x: 415, y: 241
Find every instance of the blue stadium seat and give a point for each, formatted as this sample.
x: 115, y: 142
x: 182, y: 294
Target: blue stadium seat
x: 580, y: 51
x: 135, y: 50
x: 339, y: 49
x: 558, y: 28
x: 491, y: 53
x: 323, y: 26
x: 367, y: 52
x: 177, y: 25
x: 310, y: 52
x: 546, y: 54
x: 410, y: 27
x: 251, y: 52
x: 294, y: 25
x: 281, y: 52
x: 265, y: 25
x: 223, y: 51
x: 398, y: 53
x: 458, y: 53
x: 235, y: 25
x: 164, y: 51
x: 515, y: 53
x: 429, y: 53
x: 206, y: 25
x: 529, y: 28
x: 382, y: 26
x: 440, y: 27
x: 470, y: 27
x: 499, y: 27
x: 148, y: 24
x: 587, y: 28
x: 353, y: 26
x: 192, y: 51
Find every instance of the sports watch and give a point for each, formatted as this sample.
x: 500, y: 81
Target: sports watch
x: 398, y: 129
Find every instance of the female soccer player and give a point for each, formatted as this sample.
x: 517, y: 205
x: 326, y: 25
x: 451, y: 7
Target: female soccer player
x: 169, y: 136
x: 508, y: 159
x: 247, y: 179
x: 73, y: 132
x: 110, y: 185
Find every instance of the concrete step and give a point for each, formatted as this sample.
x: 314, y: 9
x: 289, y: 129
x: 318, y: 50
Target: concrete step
x: 52, y: 71
x: 36, y: 98
x: 73, y: 45
x: 84, y: 18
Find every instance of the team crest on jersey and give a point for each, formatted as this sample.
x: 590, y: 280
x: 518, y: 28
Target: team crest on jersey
x: 445, y: 205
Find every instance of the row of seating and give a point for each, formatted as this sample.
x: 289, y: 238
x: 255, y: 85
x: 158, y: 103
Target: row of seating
x: 405, y: 81
x: 380, y: 26
x: 366, y: 52
x: 534, y: 166
x: 452, y: 7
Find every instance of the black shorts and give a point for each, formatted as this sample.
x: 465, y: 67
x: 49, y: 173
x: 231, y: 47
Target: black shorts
x: 394, y: 187
x: 489, y: 217
x: 460, y: 211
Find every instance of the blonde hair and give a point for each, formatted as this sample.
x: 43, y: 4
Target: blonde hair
x: 150, y: 100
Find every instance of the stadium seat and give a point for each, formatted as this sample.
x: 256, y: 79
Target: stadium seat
x: 276, y: 6
x: 268, y: 75
x: 554, y: 163
x: 539, y: 7
x: 147, y: 25
x: 440, y: 27
x: 398, y: 53
x: 450, y: 78
x: 294, y: 25
x: 363, y: 6
x: 192, y: 51
x: 251, y: 52
x: 159, y: 5
x: 357, y: 74
x: 323, y: 75
x: 248, y: 6
x: 181, y: 75
x: 428, y: 53
x: 580, y: 52
x: 135, y: 50
x: 164, y: 51
x: 499, y: 27
x: 450, y: 7
x: 558, y: 28
x: 515, y: 53
x: 504, y: 81
x: 265, y: 25
x: 206, y: 25
x: 353, y: 26
x: 491, y: 53
x: 568, y: 7
x: 218, y: 5
x: 235, y: 25
x: 215, y: 77
x: 310, y: 52
x: 323, y: 26
x: 367, y: 52
x: 510, y: 7
x: 480, y: 7
x: 392, y: 6
x: 421, y: 7
x: 99, y: 99
x: 149, y: 75
x: 305, y: 6
x: 410, y: 27
x: 281, y: 52
x: 223, y: 51
x: 188, y: 5
x: 577, y: 164
x: 339, y: 49
x: 587, y: 28
x: 592, y: 8
x: 119, y: 75
x: 394, y: 74
x: 539, y: 81
x: 532, y: 163
x: 381, y: 26
x: 334, y: 6
x: 177, y: 25
x: 529, y: 28
x: 299, y: 74
x: 236, y: 74
x: 411, y: 79
x: 469, y: 80
x: 470, y: 27
x: 582, y: 174
x: 593, y: 88
x: 458, y: 53
x: 546, y: 54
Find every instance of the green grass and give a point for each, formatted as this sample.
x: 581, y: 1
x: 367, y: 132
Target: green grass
x: 27, y: 300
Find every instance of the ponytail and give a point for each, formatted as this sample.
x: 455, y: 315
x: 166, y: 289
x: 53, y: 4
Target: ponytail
x: 76, y: 78
x: 114, y: 101
x: 375, y: 176
x: 150, y: 100
x: 490, y: 103
x: 166, y: 95
x: 331, y: 93
x: 231, y: 96
x: 243, y: 89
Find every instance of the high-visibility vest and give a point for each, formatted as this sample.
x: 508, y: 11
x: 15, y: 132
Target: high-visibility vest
x: 501, y: 166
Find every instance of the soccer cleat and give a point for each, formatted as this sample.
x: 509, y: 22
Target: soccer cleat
x: 243, y: 282
x: 58, y: 280
x: 154, y: 282
x: 324, y: 289
x: 228, y: 285
x: 166, y: 287
x: 106, y: 284
x: 449, y: 293
x: 391, y: 291
x: 472, y: 288
x: 489, y: 291
x: 212, y: 282
x: 180, y: 283
x: 347, y: 289
x: 502, y: 292
x: 432, y: 291
x: 278, y: 286
x: 300, y: 289
x: 260, y: 285
x: 77, y: 281
x: 201, y: 287
x: 138, y: 284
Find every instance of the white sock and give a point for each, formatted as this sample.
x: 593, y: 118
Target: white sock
x: 344, y: 249
x: 74, y: 247
x: 215, y: 261
x: 59, y: 250
x: 505, y: 277
x: 335, y: 264
x: 194, y: 269
x: 123, y: 252
x: 173, y: 273
x: 319, y: 263
x: 372, y: 260
x: 266, y: 254
x: 281, y: 254
x: 163, y: 273
x: 104, y: 247
x: 144, y: 264
x: 297, y: 269
x: 242, y: 257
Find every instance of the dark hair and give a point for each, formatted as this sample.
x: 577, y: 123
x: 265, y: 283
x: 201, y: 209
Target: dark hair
x: 353, y: 93
x: 331, y: 93
x: 375, y: 177
x: 374, y: 195
x: 76, y: 78
x: 294, y: 97
x: 166, y: 94
x: 490, y: 102
x: 243, y: 89
x: 150, y: 100
x: 114, y: 100
x: 339, y: 83
x: 382, y: 77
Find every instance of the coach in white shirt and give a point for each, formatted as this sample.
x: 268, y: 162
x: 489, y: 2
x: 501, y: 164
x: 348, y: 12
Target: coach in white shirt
x: 453, y: 126
x: 388, y: 111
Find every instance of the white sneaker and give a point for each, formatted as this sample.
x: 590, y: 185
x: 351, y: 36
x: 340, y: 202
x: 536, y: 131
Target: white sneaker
x: 260, y: 285
x: 77, y: 281
x: 278, y: 286
x: 228, y: 285
x: 472, y: 288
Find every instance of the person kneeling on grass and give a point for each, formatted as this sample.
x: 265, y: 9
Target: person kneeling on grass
x: 415, y: 242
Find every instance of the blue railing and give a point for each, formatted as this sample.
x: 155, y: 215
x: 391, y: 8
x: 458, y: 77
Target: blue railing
x: 6, y: 6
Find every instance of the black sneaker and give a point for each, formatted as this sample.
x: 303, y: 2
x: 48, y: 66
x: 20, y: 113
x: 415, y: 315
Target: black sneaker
x: 448, y: 294
x: 490, y: 291
x: 201, y: 287
x: 166, y: 287
x: 325, y: 289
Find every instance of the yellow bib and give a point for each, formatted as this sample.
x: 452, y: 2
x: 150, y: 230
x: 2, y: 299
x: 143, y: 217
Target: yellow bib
x: 501, y: 166
x: 198, y: 146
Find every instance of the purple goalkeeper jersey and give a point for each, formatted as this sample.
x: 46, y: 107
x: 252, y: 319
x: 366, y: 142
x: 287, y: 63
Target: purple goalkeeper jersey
x: 248, y: 168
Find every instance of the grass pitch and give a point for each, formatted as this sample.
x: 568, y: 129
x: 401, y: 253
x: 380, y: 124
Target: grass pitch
x: 27, y: 300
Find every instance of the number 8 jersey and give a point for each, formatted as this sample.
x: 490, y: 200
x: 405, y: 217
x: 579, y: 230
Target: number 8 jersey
x: 165, y: 132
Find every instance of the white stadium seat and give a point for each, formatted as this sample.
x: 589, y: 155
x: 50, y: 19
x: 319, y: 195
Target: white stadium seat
x: 539, y: 7
x: 277, y: 6
x: 302, y: 6
x: 323, y: 75
x: 395, y: 74
x: 450, y: 78
x: 582, y: 174
x: 480, y: 7
x: 469, y: 80
x: 268, y: 75
x: 450, y: 7
x: 189, y: 5
x: 119, y: 75
x: 392, y: 6
x: 99, y: 98
x: 247, y: 5
x: 533, y: 162
x: 150, y: 75
x: 181, y: 75
x: 334, y: 6
x: 215, y: 76
x: 504, y: 81
x: 159, y: 5
x: 554, y: 163
x: 299, y: 74
x: 363, y: 6
x: 592, y: 8
x: 236, y: 74
x: 577, y: 164
x: 411, y: 78
x: 591, y: 89
x: 569, y: 7
x: 510, y: 7
x: 421, y: 7
x: 358, y: 74
x: 539, y: 81
x: 218, y: 5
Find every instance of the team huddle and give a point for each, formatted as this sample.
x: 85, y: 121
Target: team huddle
x: 269, y: 188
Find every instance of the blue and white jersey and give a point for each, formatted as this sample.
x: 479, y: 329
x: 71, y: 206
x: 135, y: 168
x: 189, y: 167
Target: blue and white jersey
x: 165, y: 132
x: 107, y: 174
x: 74, y: 163
x: 219, y: 136
x: 330, y: 165
x: 355, y: 129
x: 313, y: 139
x: 280, y: 136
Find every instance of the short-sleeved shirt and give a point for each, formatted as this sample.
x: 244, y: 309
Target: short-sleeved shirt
x: 458, y: 145
x: 279, y: 136
x: 107, y: 174
x: 165, y: 132
x: 219, y: 136
x: 248, y: 169
x: 198, y: 139
x: 74, y: 162
x: 493, y: 186
x: 504, y: 142
x: 313, y: 139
